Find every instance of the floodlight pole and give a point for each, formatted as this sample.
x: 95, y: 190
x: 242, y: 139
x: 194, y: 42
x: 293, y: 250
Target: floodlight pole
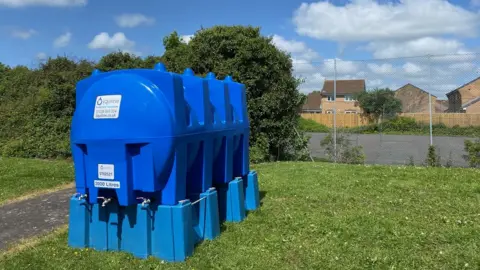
x: 335, y: 109
x: 430, y: 97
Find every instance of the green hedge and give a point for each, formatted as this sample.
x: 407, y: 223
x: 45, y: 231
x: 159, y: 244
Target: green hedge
x: 36, y: 105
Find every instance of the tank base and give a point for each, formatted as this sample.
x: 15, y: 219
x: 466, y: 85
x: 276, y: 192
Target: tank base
x: 205, y: 215
x: 252, y: 193
x: 162, y: 231
x: 231, y: 201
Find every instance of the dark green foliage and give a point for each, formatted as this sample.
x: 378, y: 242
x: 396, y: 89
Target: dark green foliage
x: 309, y: 125
x: 343, y: 152
x: 379, y: 103
x: 406, y: 125
x: 473, y: 152
x: 36, y: 105
x: 433, y: 159
x: 120, y: 60
x: 250, y: 58
x: 411, y: 161
x: 36, y: 108
x: 449, y: 162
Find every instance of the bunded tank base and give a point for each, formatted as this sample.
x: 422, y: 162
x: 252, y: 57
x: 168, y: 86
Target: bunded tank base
x: 165, y: 232
x: 205, y: 215
x: 251, y: 191
x: 231, y: 201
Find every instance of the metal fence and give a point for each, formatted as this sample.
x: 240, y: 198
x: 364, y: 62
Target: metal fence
x: 421, y: 83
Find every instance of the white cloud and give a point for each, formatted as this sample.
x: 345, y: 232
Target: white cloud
x: 462, y: 67
x: 186, y: 38
x: 303, y: 66
x: 133, y: 20
x: 23, y: 34
x: 50, y: 3
x: 381, y: 69
x: 367, y: 20
x: 62, y: 40
x: 374, y: 83
x: 296, y: 48
x: 343, y: 67
x: 41, y: 56
x: 312, y: 82
x: 416, y: 47
x: 412, y: 69
x: 117, y: 41
x: 304, y: 61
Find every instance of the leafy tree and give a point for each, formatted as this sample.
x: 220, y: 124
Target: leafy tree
x: 272, y: 91
x: 119, y: 60
x: 378, y: 103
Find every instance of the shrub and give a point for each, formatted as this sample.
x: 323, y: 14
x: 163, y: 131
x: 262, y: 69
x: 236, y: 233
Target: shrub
x: 401, y: 124
x: 432, y: 160
x: 309, y: 125
x: 344, y: 152
x: 260, y: 151
x: 473, y: 152
x: 36, y: 105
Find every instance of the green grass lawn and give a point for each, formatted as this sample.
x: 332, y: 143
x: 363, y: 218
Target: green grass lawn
x: 22, y: 176
x: 323, y: 216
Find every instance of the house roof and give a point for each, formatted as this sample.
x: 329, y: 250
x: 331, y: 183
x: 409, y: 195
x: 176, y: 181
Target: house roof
x: 344, y: 87
x: 441, y: 106
x: 409, y: 84
x: 314, y: 100
x: 451, y: 92
x: 470, y: 102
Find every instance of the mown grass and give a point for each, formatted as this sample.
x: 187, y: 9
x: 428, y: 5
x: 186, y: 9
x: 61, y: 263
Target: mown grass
x: 22, y: 176
x: 323, y: 216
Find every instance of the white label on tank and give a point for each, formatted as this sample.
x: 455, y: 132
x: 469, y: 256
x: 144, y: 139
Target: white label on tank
x: 106, y: 184
x: 107, y: 107
x: 106, y: 171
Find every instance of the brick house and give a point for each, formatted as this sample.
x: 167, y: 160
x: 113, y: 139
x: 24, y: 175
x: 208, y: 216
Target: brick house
x: 415, y: 100
x: 346, y: 89
x: 313, y: 103
x: 465, y: 98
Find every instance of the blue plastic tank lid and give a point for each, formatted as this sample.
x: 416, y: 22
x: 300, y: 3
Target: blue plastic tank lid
x: 96, y: 72
x: 160, y: 67
x: 211, y: 75
x: 228, y: 79
x: 188, y: 72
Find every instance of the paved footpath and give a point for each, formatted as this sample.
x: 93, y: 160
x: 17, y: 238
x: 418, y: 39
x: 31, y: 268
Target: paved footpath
x: 25, y: 219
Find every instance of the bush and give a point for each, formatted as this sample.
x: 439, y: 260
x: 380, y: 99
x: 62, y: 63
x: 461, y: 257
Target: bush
x: 473, y: 152
x: 309, y: 125
x: 252, y: 59
x: 401, y: 124
x: 36, y: 105
x: 259, y: 152
x: 344, y: 152
x: 432, y: 160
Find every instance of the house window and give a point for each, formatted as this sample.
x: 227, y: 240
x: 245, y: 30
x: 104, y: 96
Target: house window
x: 329, y: 112
x: 330, y: 98
x: 349, y: 98
x: 350, y: 112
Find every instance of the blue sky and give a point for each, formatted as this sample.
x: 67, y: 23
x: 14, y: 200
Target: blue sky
x: 314, y: 32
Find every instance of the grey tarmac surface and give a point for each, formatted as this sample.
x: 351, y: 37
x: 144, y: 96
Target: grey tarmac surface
x: 28, y: 218
x: 397, y: 149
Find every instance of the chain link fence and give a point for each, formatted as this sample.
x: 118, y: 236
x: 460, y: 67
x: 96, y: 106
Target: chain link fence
x: 438, y: 94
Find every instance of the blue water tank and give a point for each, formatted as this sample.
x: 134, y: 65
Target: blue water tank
x: 130, y: 132
x: 150, y: 133
x: 238, y: 99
